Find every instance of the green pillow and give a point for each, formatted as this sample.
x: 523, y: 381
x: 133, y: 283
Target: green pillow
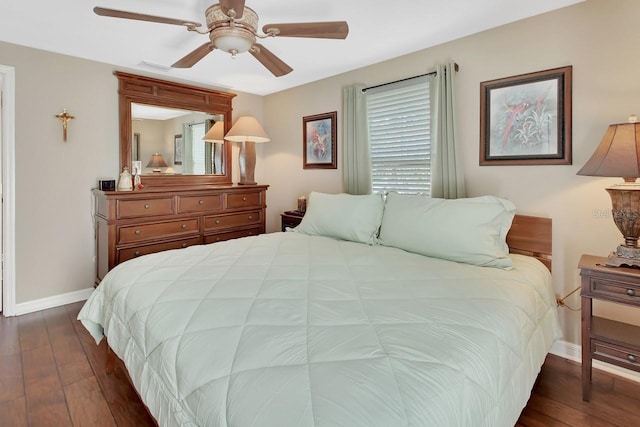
x: 471, y: 230
x: 343, y: 216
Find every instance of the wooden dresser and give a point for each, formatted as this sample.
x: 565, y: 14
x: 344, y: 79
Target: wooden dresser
x: 135, y: 223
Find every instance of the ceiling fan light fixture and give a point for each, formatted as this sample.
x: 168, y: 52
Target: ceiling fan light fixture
x: 232, y: 40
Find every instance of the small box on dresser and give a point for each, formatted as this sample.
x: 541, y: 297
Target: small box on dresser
x: 135, y: 223
x: 603, y: 339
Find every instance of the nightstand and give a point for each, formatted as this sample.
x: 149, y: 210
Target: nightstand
x: 291, y: 219
x: 603, y: 339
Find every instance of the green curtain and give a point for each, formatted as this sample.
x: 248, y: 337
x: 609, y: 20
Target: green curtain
x: 447, y: 179
x: 356, y: 175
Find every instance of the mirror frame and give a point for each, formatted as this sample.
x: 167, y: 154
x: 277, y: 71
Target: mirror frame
x: 146, y: 90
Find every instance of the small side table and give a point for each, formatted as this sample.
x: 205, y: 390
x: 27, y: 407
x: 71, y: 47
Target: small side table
x: 606, y: 340
x: 291, y: 219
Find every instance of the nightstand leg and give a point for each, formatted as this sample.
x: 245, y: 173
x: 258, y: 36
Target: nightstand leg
x: 586, y: 349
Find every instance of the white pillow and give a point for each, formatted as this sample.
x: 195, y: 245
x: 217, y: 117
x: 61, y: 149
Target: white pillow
x: 471, y: 230
x: 343, y: 216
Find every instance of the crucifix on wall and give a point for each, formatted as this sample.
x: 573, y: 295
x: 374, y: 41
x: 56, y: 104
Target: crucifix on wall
x: 64, y: 117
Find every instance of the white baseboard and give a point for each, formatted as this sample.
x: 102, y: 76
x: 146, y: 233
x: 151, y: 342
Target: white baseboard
x: 573, y: 352
x: 50, y: 302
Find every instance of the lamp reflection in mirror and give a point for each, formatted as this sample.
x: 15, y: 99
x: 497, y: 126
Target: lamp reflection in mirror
x: 247, y: 131
x: 157, y: 162
x: 216, y: 133
x: 618, y: 155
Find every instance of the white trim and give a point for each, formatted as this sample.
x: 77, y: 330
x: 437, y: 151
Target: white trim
x: 573, y: 352
x: 9, y: 189
x: 54, y: 301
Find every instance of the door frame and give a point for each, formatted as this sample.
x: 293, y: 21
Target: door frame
x: 8, y: 139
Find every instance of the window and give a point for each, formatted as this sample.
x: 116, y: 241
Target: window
x: 197, y: 148
x: 399, y: 117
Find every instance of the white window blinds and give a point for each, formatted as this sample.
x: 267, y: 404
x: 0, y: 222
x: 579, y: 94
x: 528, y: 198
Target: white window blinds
x: 198, y: 148
x: 400, y: 136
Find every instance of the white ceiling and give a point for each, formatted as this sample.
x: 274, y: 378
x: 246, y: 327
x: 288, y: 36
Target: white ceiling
x: 378, y: 30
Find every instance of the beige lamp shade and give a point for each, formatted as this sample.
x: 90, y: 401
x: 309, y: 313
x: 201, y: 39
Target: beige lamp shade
x: 618, y: 154
x: 157, y: 162
x: 247, y: 128
x: 247, y: 131
x: 216, y: 133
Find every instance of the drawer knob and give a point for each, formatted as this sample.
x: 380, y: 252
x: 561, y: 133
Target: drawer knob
x: 184, y: 245
x: 631, y: 292
x: 201, y: 202
x: 631, y: 358
x: 137, y: 253
x: 217, y: 239
x: 147, y: 206
x: 217, y: 221
x: 244, y: 199
x: 250, y: 217
x: 137, y: 231
x: 184, y: 225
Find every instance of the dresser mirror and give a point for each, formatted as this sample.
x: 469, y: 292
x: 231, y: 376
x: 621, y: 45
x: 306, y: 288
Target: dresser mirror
x: 170, y: 119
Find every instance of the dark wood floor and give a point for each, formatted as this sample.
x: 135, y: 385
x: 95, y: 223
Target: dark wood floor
x: 53, y: 374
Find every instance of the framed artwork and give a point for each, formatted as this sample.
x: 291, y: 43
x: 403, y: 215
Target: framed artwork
x: 526, y: 119
x: 319, y: 142
x: 177, y: 149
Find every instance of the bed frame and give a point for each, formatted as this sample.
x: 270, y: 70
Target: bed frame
x: 531, y: 235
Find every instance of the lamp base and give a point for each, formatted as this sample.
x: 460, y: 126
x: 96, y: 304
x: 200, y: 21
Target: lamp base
x: 624, y: 256
x: 247, y: 183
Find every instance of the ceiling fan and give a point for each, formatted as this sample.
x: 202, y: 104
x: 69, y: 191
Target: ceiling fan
x: 233, y: 28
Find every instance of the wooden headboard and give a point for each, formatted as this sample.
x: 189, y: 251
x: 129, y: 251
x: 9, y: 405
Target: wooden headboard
x: 531, y: 235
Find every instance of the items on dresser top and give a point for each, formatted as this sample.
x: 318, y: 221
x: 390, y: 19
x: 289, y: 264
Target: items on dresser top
x: 132, y: 224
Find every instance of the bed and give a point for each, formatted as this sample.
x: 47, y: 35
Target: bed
x: 340, y: 323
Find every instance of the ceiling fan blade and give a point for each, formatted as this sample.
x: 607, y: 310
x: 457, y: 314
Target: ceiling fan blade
x: 142, y: 17
x: 236, y: 5
x: 190, y: 59
x: 321, y: 30
x: 271, y: 62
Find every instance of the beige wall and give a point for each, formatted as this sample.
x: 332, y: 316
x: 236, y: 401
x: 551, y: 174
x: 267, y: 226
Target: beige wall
x: 54, y: 231
x: 596, y: 37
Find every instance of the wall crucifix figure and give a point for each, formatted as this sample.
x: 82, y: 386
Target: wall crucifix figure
x: 64, y: 117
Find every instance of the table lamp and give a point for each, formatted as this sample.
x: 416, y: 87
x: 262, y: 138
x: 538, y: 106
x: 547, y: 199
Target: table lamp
x: 247, y: 131
x: 157, y: 162
x: 618, y: 155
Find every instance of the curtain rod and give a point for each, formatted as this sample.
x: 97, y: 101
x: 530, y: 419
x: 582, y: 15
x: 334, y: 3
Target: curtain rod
x: 455, y: 67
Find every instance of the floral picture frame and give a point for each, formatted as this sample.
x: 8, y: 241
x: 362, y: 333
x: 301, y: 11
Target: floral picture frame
x: 319, y: 141
x: 526, y: 119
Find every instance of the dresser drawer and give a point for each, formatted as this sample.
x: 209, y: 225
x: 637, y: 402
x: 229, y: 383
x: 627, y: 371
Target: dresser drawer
x: 219, y: 237
x: 611, y: 289
x: 616, y: 355
x: 144, y: 207
x: 244, y: 200
x: 130, y: 253
x: 189, y: 204
x: 234, y: 220
x: 142, y: 232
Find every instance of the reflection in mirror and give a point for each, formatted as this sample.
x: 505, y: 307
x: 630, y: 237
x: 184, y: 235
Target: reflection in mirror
x: 176, y: 135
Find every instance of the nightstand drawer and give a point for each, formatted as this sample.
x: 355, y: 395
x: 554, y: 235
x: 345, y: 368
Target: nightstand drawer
x: 611, y: 289
x: 616, y: 355
x: 142, y: 232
